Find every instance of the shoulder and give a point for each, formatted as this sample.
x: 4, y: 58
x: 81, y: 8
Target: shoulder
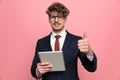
x: 44, y: 39
x: 73, y: 36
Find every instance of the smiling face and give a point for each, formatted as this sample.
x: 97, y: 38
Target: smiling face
x: 57, y: 13
x: 57, y: 21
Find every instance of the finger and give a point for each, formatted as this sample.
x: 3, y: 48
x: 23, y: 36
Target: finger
x: 83, y: 43
x: 42, y: 71
x: 82, y: 40
x: 83, y: 47
x: 84, y: 50
x: 45, y: 68
x: 84, y: 35
x: 42, y: 64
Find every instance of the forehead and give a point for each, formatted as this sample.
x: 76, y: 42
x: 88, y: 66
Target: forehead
x: 54, y: 13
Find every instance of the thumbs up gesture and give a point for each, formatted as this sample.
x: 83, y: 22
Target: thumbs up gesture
x: 83, y: 45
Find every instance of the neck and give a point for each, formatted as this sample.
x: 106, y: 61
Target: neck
x: 57, y: 31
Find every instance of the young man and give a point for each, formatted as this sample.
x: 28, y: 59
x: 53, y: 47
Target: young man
x: 73, y: 47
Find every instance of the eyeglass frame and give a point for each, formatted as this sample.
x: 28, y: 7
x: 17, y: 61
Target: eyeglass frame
x: 58, y: 17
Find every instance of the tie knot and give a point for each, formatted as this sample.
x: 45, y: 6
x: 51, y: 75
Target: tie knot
x: 57, y: 36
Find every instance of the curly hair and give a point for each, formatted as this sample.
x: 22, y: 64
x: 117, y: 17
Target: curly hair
x: 58, y: 7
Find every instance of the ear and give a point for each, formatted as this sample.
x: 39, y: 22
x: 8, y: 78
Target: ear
x: 49, y: 19
x: 65, y: 19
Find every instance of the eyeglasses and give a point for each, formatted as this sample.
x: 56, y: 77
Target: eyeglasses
x: 58, y: 17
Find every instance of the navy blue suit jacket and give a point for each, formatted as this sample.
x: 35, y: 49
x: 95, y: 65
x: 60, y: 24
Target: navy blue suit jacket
x: 71, y: 54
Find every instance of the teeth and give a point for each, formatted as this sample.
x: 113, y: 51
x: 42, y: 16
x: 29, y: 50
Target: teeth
x: 56, y: 24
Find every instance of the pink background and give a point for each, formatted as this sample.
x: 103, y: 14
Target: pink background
x: 23, y: 22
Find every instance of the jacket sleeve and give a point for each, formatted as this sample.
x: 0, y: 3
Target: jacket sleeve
x: 90, y: 66
x: 35, y: 61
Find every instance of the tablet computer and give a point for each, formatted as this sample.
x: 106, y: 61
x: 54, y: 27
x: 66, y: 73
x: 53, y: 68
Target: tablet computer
x: 55, y: 58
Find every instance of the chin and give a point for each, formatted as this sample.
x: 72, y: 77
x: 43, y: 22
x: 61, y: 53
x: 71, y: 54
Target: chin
x: 57, y: 30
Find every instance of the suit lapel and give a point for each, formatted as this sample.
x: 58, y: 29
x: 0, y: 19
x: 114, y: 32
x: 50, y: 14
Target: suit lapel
x: 67, y: 41
x: 48, y: 43
x: 65, y: 45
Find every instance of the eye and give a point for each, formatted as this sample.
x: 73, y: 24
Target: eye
x: 53, y: 17
x: 60, y: 16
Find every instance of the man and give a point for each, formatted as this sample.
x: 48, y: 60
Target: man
x: 73, y: 47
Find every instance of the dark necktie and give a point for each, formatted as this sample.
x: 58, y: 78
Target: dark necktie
x: 57, y: 46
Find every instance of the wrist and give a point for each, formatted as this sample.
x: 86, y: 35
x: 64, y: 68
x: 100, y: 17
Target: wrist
x: 38, y: 73
x: 90, y: 53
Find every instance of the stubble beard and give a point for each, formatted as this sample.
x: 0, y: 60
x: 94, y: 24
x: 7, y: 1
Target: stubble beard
x: 57, y: 31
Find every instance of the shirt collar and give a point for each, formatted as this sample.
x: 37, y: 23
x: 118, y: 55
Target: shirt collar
x: 62, y: 34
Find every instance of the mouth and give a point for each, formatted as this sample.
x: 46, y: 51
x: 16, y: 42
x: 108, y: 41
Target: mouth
x: 57, y: 24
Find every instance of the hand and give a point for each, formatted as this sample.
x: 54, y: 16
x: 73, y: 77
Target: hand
x: 84, y: 46
x: 43, y: 67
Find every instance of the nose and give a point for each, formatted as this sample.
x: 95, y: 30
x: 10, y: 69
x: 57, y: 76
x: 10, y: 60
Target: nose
x: 56, y: 19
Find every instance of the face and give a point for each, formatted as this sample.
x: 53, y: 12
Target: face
x: 57, y: 22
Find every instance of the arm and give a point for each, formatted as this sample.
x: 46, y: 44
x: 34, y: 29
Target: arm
x: 90, y: 66
x: 38, y: 68
x: 87, y: 56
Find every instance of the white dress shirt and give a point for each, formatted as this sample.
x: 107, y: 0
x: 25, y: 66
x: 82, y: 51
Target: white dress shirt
x: 61, y: 39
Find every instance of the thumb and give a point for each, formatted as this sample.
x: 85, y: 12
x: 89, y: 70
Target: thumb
x: 84, y: 35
